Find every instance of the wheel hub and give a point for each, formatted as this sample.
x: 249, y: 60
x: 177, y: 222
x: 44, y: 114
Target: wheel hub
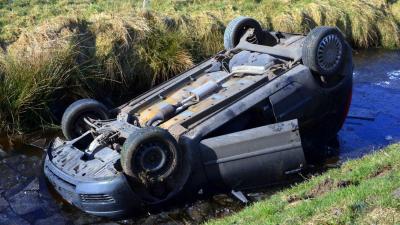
x: 329, y: 52
x: 153, y: 158
x: 251, y: 39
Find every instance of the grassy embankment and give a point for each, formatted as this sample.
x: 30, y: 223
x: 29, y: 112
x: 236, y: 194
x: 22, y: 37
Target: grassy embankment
x: 362, y: 191
x: 55, y: 51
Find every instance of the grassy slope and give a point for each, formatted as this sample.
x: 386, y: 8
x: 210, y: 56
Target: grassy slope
x: 69, y: 49
x: 367, y: 23
x: 360, y: 192
x: 19, y: 15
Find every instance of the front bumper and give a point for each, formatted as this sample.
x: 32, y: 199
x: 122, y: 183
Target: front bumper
x: 109, y: 196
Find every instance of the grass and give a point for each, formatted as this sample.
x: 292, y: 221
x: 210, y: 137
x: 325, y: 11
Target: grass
x: 360, y: 192
x: 55, y: 51
x: 366, y: 23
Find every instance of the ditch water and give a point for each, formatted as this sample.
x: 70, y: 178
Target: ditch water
x: 373, y: 122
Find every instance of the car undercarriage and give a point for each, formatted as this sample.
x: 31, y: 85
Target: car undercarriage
x: 249, y: 117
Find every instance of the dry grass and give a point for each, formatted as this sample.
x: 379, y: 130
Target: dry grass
x: 115, y: 46
x: 29, y: 85
x: 395, y: 8
x: 383, y: 216
x: 124, y: 55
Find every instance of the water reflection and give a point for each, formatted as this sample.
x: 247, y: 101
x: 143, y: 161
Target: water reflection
x: 374, y: 117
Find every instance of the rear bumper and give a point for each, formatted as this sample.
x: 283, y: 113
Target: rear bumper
x: 109, y: 197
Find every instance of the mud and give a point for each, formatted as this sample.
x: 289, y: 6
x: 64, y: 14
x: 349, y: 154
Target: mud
x: 322, y: 188
x: 381, y: 171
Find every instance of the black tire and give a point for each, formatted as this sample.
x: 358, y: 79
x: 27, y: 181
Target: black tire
x: 72, y: 123
x: 150, y: 155
x: 324, y: 51
x: 238, y: 27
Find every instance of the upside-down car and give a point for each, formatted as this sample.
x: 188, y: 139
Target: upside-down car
x: 251, y: 116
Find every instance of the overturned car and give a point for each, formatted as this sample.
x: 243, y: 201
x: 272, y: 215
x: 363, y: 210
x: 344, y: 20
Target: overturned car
x: 251, y: 116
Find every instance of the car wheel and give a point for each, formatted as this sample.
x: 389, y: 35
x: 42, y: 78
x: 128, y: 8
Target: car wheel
x: 72, y: 122
x: 323, y: 51
x: 150, y: 155
x: 238, y: 27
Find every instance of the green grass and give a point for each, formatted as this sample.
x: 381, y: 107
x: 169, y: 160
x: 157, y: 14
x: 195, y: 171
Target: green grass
x: 360, y: 192
x: 114, y: 50
x: 367, y: 23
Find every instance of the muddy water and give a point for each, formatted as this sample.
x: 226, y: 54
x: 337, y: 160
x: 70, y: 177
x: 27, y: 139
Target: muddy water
x: 373, y: 122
